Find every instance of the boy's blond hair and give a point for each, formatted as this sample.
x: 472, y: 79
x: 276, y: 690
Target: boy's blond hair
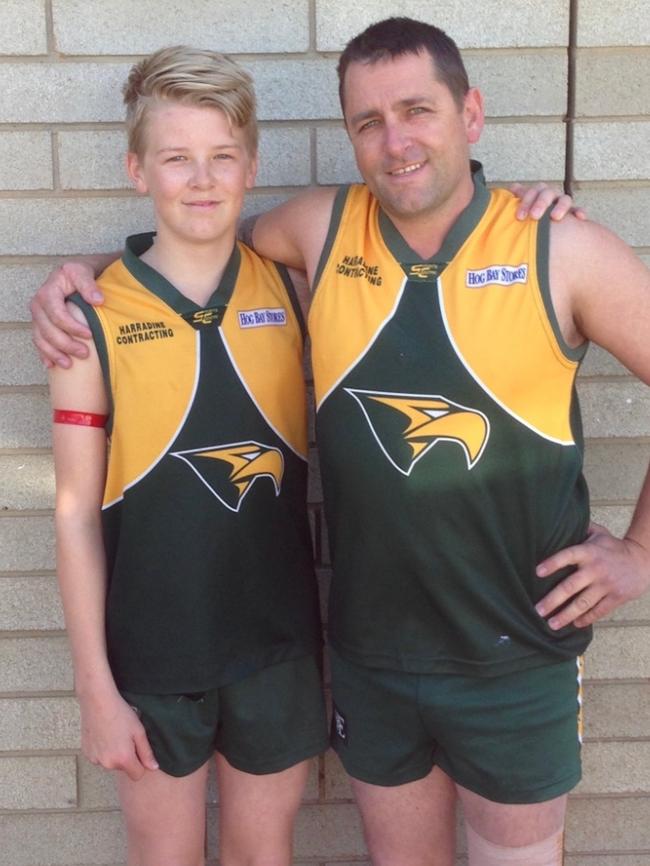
x: 191, y: 76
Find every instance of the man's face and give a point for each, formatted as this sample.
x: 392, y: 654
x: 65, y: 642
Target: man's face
x: 410, y: 138
x: 196, y: 168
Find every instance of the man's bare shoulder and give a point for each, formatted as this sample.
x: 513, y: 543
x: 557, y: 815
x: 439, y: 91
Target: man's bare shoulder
x: 606, y: 287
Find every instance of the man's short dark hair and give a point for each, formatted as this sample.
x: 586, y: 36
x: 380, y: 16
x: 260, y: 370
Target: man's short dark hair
x: 395, y: 37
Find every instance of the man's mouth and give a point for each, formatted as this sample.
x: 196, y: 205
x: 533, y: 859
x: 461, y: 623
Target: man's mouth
x: 406, y: 169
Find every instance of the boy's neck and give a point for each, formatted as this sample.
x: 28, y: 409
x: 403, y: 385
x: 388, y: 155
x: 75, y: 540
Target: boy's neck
x: 195, y: 270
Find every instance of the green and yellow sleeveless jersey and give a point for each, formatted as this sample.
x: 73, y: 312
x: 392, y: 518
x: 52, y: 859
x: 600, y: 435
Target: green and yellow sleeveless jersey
x: 450, y: 440
x: 207, y: 540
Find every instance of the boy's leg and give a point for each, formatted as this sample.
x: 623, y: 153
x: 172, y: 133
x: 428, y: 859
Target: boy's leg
x: 165, y: 818
x: 256, y: 814
x: 411, y: 824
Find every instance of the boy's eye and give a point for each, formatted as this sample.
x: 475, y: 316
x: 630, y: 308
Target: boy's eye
x: 178, y: 157
x: 224, y: 156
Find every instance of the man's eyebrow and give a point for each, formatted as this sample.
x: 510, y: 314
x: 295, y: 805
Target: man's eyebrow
x: 408, y: 102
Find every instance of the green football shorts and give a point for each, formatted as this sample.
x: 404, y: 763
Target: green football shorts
x: 264, y: 723
x: 512, y: 738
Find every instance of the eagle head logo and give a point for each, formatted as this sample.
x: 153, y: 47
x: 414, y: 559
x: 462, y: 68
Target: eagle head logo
x: 407, y: 426
x: 229, y: 471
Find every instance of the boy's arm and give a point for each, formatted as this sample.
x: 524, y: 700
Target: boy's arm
x: 601, y: 292
x: 112, y: 735
x: 55, y: 329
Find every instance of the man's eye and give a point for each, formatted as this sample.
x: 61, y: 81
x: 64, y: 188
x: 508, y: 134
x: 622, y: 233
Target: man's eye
x: 369, y: 124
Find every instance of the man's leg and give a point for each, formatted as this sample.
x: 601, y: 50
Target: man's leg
x: 257, y: 813
x: 504, y: 835
x: 411, y: 824
x: 165, y: 818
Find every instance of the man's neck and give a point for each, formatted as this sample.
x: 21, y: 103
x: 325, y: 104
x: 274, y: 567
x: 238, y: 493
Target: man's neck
x: 426, y: 233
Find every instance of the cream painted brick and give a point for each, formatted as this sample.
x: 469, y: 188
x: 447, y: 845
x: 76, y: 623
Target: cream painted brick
x: 615, y: 710
x: 599, y: 362
x: 522, y: 151
x: 35, y: 664
x: 614, y: 824
x: 616, y: 768
x: 615, y: 408
x: 259, y: 202
x: 493, y: 24
x: 612, y: 151
x: 508, y: 151
x: 295, y: 89
x: 30, y: 603
x: 624, y: 210
x: 38, y: 783
x: 93, y: 160
x: 615, y: 517
x: 514, y: 84
x: 26, y: 544
x: 601, y: 22
x: 97, y: 788
x: 71, y: 92
x: 71, y: 226
x: 19, y: 363
x: 612, y: 82
x: 284, y: 158
x: 26, y: 160
x: 639, y: 609
x: 97, y: 27
x: 335, y: 157
x: 24, y: 421
x: 94, y: 839
x: 27, y: 481
x: 38, y: 724
x: 17, y: 285
x: 615, y: 470
x: 620, y: 651
x: 23, y: 27
x: 337, y: 782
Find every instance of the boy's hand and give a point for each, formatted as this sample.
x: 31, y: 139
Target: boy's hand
x: 113, y: 737
x: 536, y: 200
x: 54, y: 328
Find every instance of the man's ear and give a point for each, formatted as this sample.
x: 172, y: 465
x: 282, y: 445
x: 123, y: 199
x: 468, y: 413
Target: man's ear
x: 135, y: 173
x: 474, y: 114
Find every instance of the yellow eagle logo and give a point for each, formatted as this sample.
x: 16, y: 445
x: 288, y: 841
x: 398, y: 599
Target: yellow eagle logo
x: 407, y: 426
x: 229, y: 471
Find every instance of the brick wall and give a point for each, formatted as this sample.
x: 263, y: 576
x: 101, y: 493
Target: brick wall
x: 63, y: 191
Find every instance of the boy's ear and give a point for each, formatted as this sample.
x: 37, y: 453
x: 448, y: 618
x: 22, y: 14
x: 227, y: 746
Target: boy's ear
x: 251, y: 173
x: 135, y: 173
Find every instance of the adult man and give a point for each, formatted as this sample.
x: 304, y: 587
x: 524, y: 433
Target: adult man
x: 445, y: 346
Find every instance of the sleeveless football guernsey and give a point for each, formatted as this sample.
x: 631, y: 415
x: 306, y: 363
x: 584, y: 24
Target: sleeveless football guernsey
x: 450, y: 440
x: 208, y: 546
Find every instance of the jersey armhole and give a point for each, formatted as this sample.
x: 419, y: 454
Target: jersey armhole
x: 543, y: 278
x: 99, y: 339
x: 335, y: 220
x: 293, y: 297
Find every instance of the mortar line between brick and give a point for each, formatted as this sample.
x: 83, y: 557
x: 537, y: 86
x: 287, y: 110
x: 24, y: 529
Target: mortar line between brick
x: 571, y: 97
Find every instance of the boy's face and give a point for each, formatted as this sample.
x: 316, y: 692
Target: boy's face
x: 196, y: 168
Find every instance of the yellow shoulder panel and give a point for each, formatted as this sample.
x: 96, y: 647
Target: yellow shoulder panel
x: 268, y: 359
x: 152, y: 388
x: 496, y: 318
x: 360, y: 287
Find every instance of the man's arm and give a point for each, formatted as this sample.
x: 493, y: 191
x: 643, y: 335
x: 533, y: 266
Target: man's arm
x: 601, y: 291
x: 55, y: 329
x: 292, y: 233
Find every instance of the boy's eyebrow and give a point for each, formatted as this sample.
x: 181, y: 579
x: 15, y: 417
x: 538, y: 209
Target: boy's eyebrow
x: 234, y: 146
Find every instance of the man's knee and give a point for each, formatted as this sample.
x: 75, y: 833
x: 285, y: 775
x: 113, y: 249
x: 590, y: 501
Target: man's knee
x: 546, y: 852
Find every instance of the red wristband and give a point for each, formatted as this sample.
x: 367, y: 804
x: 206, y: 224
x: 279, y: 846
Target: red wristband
x: 84, y: 419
